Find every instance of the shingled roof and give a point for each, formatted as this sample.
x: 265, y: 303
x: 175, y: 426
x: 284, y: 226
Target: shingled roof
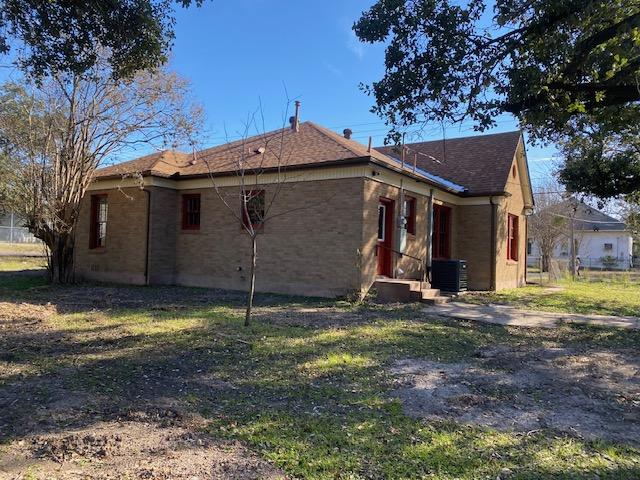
x: 480, y: 163
x: 475, y: 165
x: 311, y: 146
x: 590, y: 219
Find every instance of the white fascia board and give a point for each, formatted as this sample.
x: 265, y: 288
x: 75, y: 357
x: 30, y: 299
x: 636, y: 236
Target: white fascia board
x: 371, y: 171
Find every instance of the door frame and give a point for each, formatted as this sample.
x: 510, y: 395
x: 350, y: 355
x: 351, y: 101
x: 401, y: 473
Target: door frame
x: 384, y: 256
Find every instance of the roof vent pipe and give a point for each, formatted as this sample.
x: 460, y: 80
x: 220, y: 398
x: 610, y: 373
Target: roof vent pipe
x: 295, y: 120
x: 347, y: 132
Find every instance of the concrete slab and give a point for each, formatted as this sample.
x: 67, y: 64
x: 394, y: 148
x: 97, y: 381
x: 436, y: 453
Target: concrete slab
x: 507, y: 315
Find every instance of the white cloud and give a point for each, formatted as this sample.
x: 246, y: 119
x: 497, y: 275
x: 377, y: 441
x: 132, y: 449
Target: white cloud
x: 333, y: 69
x: 354, y: 45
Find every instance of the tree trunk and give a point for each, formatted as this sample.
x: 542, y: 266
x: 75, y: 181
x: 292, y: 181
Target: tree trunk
x: 545, y: 262
x: 252, y: 285
x: 61, y: 258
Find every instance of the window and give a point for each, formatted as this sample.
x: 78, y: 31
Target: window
x: 98, y: 223
x: 512, y: 237
x: 513, y: 171
x: 191, y: 211
x: 382, y: 209
x: 409, y: 214
x: 608, y: 246
x: 441, y: 231
x: 529, y: 247
x: 253, y: 215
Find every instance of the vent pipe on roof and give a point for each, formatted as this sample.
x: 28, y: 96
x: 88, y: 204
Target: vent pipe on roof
x: 347, y: 132
x: 295, y: 120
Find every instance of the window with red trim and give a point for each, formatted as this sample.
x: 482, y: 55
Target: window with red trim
x: 409, y: 214
x: 253, y: 214
x: 512, y: 237
x: 98, y: 221
x: 441, y: 231
x: 191, y: 211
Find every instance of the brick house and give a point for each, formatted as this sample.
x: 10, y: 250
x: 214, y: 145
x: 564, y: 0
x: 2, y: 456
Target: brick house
x: 355, y: 214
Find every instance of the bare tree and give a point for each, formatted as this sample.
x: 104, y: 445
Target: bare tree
x: 547, y: 227
x: 59, y: 130
x: 252, y: 159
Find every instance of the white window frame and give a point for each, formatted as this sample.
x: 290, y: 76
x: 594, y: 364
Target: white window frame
x: 383, y: 208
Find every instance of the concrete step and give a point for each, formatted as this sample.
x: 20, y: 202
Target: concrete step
x: 429, y: 293
x: 391, y: 290
x: 438, y: 300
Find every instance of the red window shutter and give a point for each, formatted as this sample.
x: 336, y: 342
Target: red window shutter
x: 98, y: 206
x: 93, y: 222
x: 512, y: 237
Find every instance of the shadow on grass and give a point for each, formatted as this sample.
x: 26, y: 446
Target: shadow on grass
x: 311, y: 397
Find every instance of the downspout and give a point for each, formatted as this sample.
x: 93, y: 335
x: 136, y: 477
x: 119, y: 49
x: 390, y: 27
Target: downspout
x: 427, y: 269
x: 493, y: 254
x: 148, y: 234
x: 399, y: 233
x: 526, y: 248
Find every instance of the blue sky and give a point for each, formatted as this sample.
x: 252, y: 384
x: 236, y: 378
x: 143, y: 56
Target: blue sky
x: 242, y: 52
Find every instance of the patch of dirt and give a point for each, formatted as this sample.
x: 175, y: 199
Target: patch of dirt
x: 589, y: 394
x: 317, y: 317
x: 15, y: 314
x: 131, y: 449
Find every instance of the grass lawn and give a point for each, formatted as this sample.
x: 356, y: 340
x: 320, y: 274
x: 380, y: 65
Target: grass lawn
x: 7, y: 248
x: 307, y: 387
x: 606, y: 297
x: 12, y: 264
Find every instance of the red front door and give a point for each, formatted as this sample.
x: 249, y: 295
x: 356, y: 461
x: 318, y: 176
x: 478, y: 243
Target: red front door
x: 385, y: 237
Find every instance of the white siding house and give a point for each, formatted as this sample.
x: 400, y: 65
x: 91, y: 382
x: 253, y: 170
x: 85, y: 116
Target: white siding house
x: 602, y: 242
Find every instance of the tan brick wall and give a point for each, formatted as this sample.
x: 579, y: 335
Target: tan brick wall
x: 510, y: 274
x: 123, y: 257
x: 310, y: 251
x: 326, y: 248
x: 165, y: 222
x: 472, y: 241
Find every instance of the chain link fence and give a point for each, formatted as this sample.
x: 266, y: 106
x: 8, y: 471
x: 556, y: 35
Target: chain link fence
x: 590, y: 269
x: 16, y: 235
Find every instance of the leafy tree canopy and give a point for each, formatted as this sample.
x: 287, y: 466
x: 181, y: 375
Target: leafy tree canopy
x: 69, y: 36
x: 603, y: 161
x: 546, y: 61
x: 568, y: 69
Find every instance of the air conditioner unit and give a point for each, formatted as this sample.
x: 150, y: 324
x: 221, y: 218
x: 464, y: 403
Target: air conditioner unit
x: 449, y: 275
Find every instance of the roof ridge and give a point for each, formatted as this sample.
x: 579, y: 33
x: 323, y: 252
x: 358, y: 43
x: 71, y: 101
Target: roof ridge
x: 160, y: 155
x: 235, y: 143
x: 343, y: 142
x: 600, y: 212
x: 519, y: 132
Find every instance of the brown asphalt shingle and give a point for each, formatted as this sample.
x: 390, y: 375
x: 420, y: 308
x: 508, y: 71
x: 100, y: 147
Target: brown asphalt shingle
x: 311, y: 145
x: 480, y: 163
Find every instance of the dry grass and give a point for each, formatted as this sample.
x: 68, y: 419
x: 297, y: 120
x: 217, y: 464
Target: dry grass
x: 307, y: 387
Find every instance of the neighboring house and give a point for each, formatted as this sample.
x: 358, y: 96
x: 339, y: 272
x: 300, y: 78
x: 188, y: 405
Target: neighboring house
x: 601, y: 241
x: 353, y: 208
